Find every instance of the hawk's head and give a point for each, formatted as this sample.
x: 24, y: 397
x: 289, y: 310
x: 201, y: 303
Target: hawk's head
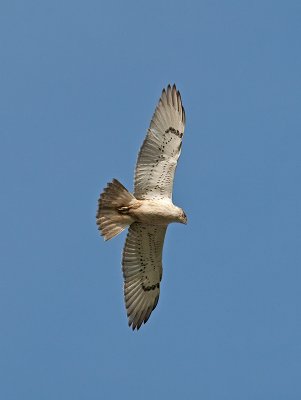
x: 183, y: 217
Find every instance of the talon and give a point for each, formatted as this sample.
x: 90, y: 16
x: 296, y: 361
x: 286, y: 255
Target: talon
x: 123, y: 210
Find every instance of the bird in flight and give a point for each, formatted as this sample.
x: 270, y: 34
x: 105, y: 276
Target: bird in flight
x: 148, y: 211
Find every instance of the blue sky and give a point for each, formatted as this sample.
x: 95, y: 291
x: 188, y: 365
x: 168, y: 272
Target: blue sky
x: 79, y: 82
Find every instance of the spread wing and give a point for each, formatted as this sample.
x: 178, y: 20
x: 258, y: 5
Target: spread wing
x: 158, y: 156
x: 142, y: 271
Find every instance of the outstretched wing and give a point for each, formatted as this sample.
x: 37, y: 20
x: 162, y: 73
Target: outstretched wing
x: 142, y: 271
x: 158, y: 156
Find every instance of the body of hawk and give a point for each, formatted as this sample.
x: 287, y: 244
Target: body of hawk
x: 149, y: 210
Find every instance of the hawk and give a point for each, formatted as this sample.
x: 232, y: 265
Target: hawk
x: 147, y: 211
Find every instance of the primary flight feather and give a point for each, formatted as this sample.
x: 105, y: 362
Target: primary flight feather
x: 149, y: 210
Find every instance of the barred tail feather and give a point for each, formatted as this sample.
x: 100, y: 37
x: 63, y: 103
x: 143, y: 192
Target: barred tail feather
x: 109, y: 219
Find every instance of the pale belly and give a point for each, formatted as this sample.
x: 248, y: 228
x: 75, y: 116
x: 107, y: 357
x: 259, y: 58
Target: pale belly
x: 156, y: 212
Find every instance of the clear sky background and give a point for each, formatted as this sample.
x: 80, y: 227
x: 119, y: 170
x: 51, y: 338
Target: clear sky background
x: 79, y: 81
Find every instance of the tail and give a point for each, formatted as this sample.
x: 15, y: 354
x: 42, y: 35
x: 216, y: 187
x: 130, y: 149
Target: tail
x: 110, y: 220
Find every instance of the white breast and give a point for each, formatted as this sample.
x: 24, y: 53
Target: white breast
x: 157, y: 212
